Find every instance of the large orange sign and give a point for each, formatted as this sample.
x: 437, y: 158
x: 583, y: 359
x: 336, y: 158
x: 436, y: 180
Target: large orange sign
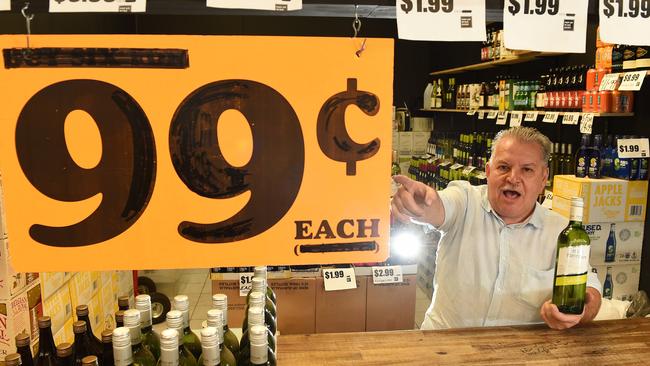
x: 194, y: 151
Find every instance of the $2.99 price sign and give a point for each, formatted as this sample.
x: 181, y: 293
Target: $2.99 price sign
x: 227, y: 162
x: 625, y: 21
x: 387, y: 274
x: 454, y: 20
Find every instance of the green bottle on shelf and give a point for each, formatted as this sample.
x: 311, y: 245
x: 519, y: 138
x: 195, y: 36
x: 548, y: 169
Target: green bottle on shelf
x: 259, y: 284
x: 260, y: 353
x: 141, y: 355
x: 215, y: 320
x: 220, y: 301
x: 150, y: 339
x: 175, y: 322
x: 190, y: 340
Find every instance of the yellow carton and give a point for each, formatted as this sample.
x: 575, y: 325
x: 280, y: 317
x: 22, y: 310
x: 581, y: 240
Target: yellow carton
x: 58, y: 307
x: 605, y: 200
x: 81, y: 288
x: 96, y: 315
x: 109, y: 304
x: 14, y: 319
x: 65, y: 334
x: 51, y: 281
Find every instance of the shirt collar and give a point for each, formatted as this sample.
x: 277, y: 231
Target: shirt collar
x: 536, y: 219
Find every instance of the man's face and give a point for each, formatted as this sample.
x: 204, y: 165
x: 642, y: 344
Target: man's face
x: 516, y: 175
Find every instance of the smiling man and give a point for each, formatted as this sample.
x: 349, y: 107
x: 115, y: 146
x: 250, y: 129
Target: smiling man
x: 496, y: 256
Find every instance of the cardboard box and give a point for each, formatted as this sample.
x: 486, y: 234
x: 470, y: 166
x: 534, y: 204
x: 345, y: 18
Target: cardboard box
x: 405, y: 143
x: 628, y: 240
x: 51, y: 281
x: 236, y: 303
x: 420, y: 142
x: 341, y: 311
x: 296, y: 301
x: 125, y: 285
x: 58, y: 307
x: 14, y: 319
x: 96, y: 315
x: 624, y: 279
x: 81, y: 288
x: 35, y: 309
x: 109, y: 304
x: 605, y: 200
x: 12, y: 282
x: 390, y: 306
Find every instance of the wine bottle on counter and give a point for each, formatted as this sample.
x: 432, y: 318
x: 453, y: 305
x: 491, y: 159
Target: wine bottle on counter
x: 255, y: 317
x: 46, y: 348
x: 215, y: 319
x: 262, y: 272
x: 220, y: 301
x: 150, y: 339
x: 175, y: 321
x: 259, y: 284
x: 256, y: 298
x: 572, y: 263
x: 141, y: 355
x: 190, y: 340
x: 64, y: 354
x: 23, y: 349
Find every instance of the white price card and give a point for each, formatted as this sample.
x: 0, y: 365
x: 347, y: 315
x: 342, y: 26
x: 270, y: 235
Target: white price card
x: 625, y: 21
x: 245, y: 283
x: 609, y: 81
x: 387, y: 274
x: 98, y: 6
x: 274, y: 5
x: 531, y: 116
x: 587, y: 123
x: 548, y: 26
x: 633, y: 148
x: 5, y: 5
x: 492, y: 114
x: 471, y: 112
x: 571, y: 118
x: 339, y: 279
x: 441, y: 20
x: 632, y: 80
x: 502, y: 118
x: 551, y: 117
x: 515, y: 118
x: 481, y: 114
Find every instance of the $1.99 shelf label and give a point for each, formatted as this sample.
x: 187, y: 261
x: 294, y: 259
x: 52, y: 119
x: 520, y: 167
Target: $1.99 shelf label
x: 441, y: 20
x: 545, y: 25
x: 336, y: 279
x: 98, y: 6
x: 625, y: 21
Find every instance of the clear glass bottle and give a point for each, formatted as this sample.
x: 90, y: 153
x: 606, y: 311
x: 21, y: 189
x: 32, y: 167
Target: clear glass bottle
x: 64, y: 354
x: 190, y: 340
x: 572, y: 263
x: 107, y: 343
x: 175, y: 321
x: 122, y: 351
x: 220, y: 301
x: 150, y: 339
x: 46, y: 355
x: 215, y: 319
x: 83, y: 313
x: 23, y: 349
x: 141, y: 355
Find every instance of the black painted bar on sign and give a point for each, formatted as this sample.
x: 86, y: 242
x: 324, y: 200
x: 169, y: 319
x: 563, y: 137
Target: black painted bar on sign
x: 361, y: 246
x: 151, y: 58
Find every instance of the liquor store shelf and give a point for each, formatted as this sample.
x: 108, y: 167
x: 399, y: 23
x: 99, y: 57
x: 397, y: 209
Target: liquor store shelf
x: 491, y: 64
x: 540, y: 113
x: 611, y: 342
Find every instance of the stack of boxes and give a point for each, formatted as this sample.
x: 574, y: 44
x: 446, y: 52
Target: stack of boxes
x: 412, y: 142
x: 614, y: 216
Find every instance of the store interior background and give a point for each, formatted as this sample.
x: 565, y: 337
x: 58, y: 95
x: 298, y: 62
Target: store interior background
x: 413, y: 62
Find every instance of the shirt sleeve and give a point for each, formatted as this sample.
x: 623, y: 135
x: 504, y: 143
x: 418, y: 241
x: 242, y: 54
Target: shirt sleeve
x: 592, y: 281
x: 454, y: 200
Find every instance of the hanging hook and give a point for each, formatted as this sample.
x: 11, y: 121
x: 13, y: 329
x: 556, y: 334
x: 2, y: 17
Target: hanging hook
x: 356, y: 26
x: 28, y: 21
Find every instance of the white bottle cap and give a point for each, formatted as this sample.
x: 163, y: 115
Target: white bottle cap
x: 131, y: 317
x: 257, y: 299
x: 121, y: 337
x: 209, y: 337
x: 220, y: 301
x: 255, y: 316
x: 143, y: 302
x: 174, y: 319
x: 260, y: 271
x: 259, y: 284
x: 169, y: 339
x: 181, y: 302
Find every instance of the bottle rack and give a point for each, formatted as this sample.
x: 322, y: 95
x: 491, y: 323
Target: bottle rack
x: 539, y: 113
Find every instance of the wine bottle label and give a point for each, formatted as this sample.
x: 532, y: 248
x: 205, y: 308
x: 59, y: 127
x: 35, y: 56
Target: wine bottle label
x: 122, y: 356
x: 145, y: 316
x: 211, y: 356
x: 168, y: 357
x: 575, y: 213
x: 259, y: 354
x: 573, y: 261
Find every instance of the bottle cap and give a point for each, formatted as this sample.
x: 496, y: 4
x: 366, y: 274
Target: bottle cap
x: 220, y: 301
x: 79, y: 327
x: 143, y: 302
x: 64, y: 350
x: 107, y: 336
x: 44, y: 322
x: 181, y: 302
x: 89, y: 361
x: 121, y: 337
x: 209, y: 337
x: 256, y: 298
x: 259, y: 283
x: 577, y: 201
x: 131, y: 317
x: 119, y: 316
x: 255, y: 316
x: 175, y: 319
x: 13, y: 359
x: 169, y: 339
x: 260, y: 271
x: 22, y: 340
x: 215, y: 318
x: 82, y: 310
x: 123, y: 302
x: 257, y: 334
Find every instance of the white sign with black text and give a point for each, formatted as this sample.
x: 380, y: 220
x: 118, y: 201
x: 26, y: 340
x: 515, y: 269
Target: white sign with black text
x: 98, y: 6
x: 339, y: 279
x: 586, y: 125
x: 551, y: 117
x: 273, y: 5
x: 633, y: 148
x: 5, y: 5
x: 531, y: 116
x: 632, y: 80
x: 387, y: 274
x: 441, y: 20
x: 245, y: 283
x: 515, y: 118
x: 625, y: 21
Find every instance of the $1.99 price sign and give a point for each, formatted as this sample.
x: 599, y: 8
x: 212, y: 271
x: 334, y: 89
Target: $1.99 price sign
x: 245, y: 283
x: 454, y: 20
x: 336, y: 279
x: 222, y: 162
x: 633, y: 148
x: 545, y: 25
x: 625, y: 21
x: 98, y: 6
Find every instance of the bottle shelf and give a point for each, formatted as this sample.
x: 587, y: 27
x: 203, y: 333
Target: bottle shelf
x: 526, y: 57
x: 539, y: 113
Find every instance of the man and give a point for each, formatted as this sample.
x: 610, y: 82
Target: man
x: 496, y: 257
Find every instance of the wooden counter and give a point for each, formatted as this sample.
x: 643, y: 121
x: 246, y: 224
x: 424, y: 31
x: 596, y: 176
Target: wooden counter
x: 612, y: 342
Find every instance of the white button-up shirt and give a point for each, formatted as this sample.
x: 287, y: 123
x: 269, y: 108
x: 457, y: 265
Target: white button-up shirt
x: 489, y: 273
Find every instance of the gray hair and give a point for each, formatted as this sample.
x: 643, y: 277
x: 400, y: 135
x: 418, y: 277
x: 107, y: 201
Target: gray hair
x: 527, y: 135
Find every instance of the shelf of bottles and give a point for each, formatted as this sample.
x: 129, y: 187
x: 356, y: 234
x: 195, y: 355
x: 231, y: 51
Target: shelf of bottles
x: 539, y: 113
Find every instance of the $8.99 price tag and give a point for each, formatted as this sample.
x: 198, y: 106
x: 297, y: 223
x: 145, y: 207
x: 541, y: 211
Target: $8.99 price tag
x: 98, y: 6
x: 625, y: 21
x: 455, y: 20
x: 632, y: 80
x: 339, y: 279
x: 387, y: 274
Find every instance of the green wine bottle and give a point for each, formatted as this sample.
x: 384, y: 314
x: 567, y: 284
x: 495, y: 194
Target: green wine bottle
x: 260, y: 354
x: 572, y: 263
x: 122, y: 351
x: 255, y: 317
x: 150, y: 339
x: 190, y: 340
x: 175, y: 321
x: 259, y: 284
x: 262, y: 272
x: 220, y: 301
x: 256, y: 298
x: 215, y: 320
x: 169, y: 354
x: 141, y: 355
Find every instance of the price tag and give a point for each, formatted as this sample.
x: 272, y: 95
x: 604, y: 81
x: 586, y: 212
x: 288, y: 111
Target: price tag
x: 632, y: 80
x: 633, y: 148
x: 551, y: 117
x: 502, y: 118
x: 548, y: 26
x: 468, y: 170
x: 531, y: 116
x: 571, y: 118
x: 98, y: 6
x: 245, y: 283
x: 587, y: 123
x: 515, y: 118
x: 386, y: 274
x: 471, y: 112
x: 5, y: 5
x: 609, y: 82
x: 481, y: 114
x: 492, y: 114
x: 455, y: 20
x: 625, y: 21
x: 339, y: 279
x: 455, y: 166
